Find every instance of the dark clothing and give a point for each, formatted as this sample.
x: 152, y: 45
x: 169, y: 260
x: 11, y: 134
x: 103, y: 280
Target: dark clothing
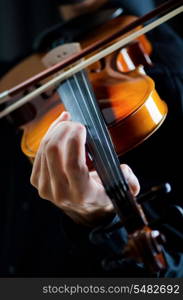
x: 37, y: 239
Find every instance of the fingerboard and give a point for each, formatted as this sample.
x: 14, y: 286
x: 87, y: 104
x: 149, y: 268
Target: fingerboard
x: 78, y: 98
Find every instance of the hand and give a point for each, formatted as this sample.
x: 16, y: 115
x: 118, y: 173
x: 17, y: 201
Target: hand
x: 61, y: 175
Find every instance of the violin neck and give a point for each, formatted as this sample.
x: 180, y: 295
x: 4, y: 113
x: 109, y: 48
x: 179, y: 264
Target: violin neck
x: 78, y: 98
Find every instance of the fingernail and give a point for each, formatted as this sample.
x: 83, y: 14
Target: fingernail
x: 65, y: 116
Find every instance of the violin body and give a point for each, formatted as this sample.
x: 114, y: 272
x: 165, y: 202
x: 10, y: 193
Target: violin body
x: 127, y: 98
x: 132, y: 113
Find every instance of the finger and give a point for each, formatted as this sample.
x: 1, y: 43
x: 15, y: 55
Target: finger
x: 44, y: 183
x: 131, y: 179
x: 54, y: 151
x: 34, y: 179
x: 75, y: 159
x: 95, y: 177
x: 65, y: 116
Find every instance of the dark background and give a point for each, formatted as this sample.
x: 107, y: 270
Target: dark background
x: 23, y: 216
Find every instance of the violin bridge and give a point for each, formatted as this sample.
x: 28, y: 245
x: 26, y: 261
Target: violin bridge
x: 59, y: 54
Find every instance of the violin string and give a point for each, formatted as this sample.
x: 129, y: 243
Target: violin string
x: 160, y: 10
x: 84, y: 64
x: 106, y: 160
x: 115, y: 185
x: 110, y: 161
x: 73, y: 91
x: 93, y: 124
x: 110, y: 175
x: 105, y: 133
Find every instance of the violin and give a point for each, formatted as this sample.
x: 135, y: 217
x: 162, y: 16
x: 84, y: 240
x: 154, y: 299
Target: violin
x: 125, y: 96
x: 130, y: 107
x: 38, y: 107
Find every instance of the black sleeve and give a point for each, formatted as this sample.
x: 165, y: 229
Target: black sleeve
x: 167, y: 72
